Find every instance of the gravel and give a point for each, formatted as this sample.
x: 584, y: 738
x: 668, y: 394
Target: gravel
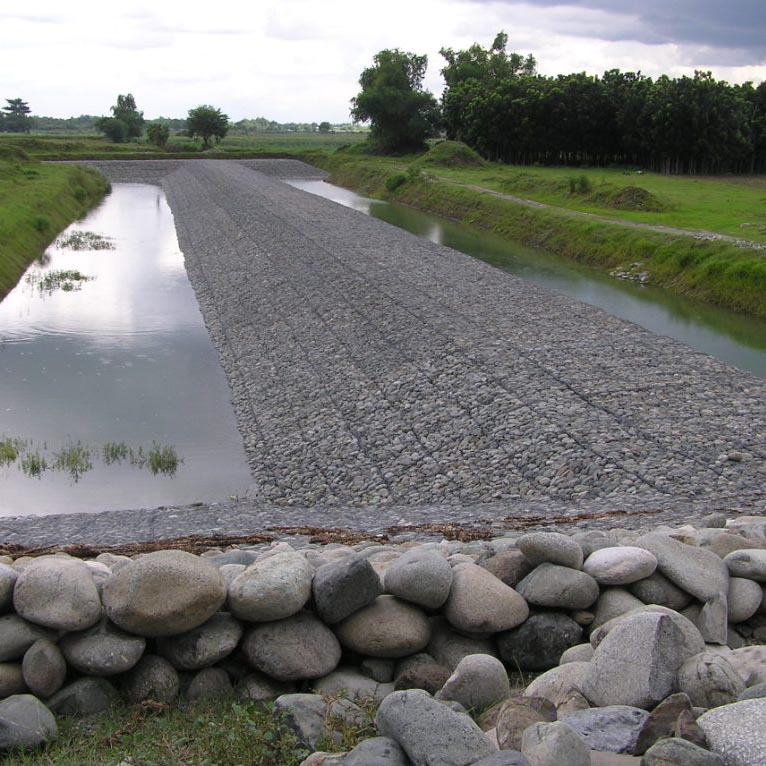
x: 376, y: 375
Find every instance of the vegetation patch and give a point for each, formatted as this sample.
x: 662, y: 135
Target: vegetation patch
x: 66, y: 280
x: 10, y: 450
x: 634, y: 198
x: 452, y: 154
x: 74, y: 459
x: 33, y: 464
x: 84, y: 240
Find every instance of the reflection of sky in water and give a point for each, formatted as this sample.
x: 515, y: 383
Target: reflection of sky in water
x: 125, y: 358
x: 736, y: 339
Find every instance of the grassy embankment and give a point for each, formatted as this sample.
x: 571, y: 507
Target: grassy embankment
x: 715, y: 271
x: 36, y: 202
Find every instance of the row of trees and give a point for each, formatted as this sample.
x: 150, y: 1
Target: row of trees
x: 497, y: 103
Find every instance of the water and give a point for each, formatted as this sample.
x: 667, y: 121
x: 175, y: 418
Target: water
x: 125, y: 358
x: 734, y: 338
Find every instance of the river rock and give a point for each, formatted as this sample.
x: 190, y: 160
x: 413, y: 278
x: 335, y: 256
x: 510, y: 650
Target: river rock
x: 516, y: 715
x: 308, y: 715
x: 17, y: 635
x: 563, y: 686
x: 747, y: 563
x: 258, y: 687
x: 83, y: 697
x: 378, y: 668
x: 299, y: 647
x: 577, y: 653
x: 272, y: 588
x: 687, y: 728
x: 736, y: 732
x: 637, y: 662
x: 750, y: 663
x: 57, y: 593
x: 430, y: 676
x: 11, y: 679
x: 8, y: 576
x: 103, y: 650
x: 722, y: 543
x: 420, y: 576
x: 209, y: 684
x: 509, y: 566
x: 620, y: 566
x: 744, y: 599
x: 44, y: 668
x: 661, y: 721
x: 612, y: 603
x: 554, y: 744
x: 753, y: 692
x: 552, y: 548
x: 429, y: 732
x: 151, y: 678
x: 614, y: 728
x: 477, y: 682
x: 164, y: 593
x: 558, y: 587
x: 448, y: 647
x: 378, y: 751
x: 699, y: 572
x: 504, y: 758
x: 657, y: 589
x: 539, y: 642
x: 679, y: 752
x: 480, y: 603
x: 204, y: 645
x: 25, y: 723
x: 343, y: 587
x: 386, y: 628
x: 710, y: 680
x: 236, y: 557
x: 351, y: 684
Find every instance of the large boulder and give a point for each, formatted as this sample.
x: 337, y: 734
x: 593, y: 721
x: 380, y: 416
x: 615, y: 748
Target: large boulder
x: 620, y: 566
x: 516, y: 715
x: 554, y: 744
x: 448, y: 647
x: 83, y: 697
x: 297, y: 648
x: 386, y: 628
x: 17, y: 635
x: 661, y: 722
x: 420, y: 576
x: 103, y: 650
x: 258, y: 687
x: 552, y: 548
x: 343, y: 587
x: 151, y: 678
x: 204, y: 645
x: 679, y: 752
x: 478, y: 681
x: 657, y: 589
x: 709, y: 680
x: 57, y: 593
x: 25, y: 723
x: 562, y: 686
x: 44, y: 668
x: 747, y: 563
x: 539, y: 642
x: 309, y: 716
x: 736, y: 732
x: 351, y: 684
x: 11, y: 679
x: 430, y: 732
x: 480, y: 603
x: 164, y: 593
x: 557, y: 587
x: 378, y: 751
x: 744, y: 599
x: 613, y: 729
x: 272, y: 588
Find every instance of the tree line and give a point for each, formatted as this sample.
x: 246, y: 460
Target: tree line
x: 496, y: 102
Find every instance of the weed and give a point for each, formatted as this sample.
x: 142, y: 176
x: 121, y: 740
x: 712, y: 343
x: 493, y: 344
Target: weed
x: 10, y: 450
x: 33, y: 464
x: 115, y: 452
x: 74, y: 459
x: 61, y: 279
x: 163, y: 459
x: 84, y: 240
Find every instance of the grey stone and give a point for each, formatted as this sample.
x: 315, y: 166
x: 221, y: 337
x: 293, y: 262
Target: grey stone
x: 614, y: 728
x: 744, y: 599
x: 477, y: 682
x: 378, y: 751
x: 612, y: 603
x: 272, y: 588
x: 343, y: 587
x: 753, y: 692
x: 17, y: 635
x: 516, y: 715
x: 297, y: 648
x: 687, y: 727
x: 25, y: 723
x: 310, y: 715
x: 750, y: 663
x: 504, y: 758
x: 710, y: 680
x: 539, y: 642
x: 636, y: 664
x: 554, y: 744
x: 103, y: 650
x: 151, y: 678
x: 578, y: 653
x: 699, y: 572
x: 480, y: 603
x: 750, y: 564
x: 204, y: 645
x: 657, y: 589
x: 57, y: 593
x: 420, y: 576
x: 620, y: 566
x: 509, y: 566
x: 378, y: 668
x: 351, y: 684
x: 679, y: 752
x: 430, y: 733
x: 552, y: 548
x: 83, y: 697
x: 563, y: 686
x: 722, y: 543
x: 448, y: 647
x: 558, y: 587
x: 258, y: 687
x: 430, y: 677
x: 386, y: 628
x: 209, y: 684
x: 8, y: 576
x: 43, y: 668
x: 735, y: 732
x: 164, y: 593
x: 11, y: 679
x: 661, y: 721
x: 238, y: 557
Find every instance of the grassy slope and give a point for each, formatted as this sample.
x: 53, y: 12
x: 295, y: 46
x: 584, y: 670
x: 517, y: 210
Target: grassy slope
x: 717, y: 272
x: 36, y: 203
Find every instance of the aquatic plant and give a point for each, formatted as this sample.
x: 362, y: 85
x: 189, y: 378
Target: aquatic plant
x: 74, y: 459
x: 115, y: 452
x: 84, y: 240
x: 163, y: 459
x: 33, y: 464
x: 62, y: 279
x: 10, y: 450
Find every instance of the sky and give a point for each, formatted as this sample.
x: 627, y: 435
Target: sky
x: 300, y: 60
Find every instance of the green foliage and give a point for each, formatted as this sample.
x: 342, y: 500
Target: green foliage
x: 74, y: 459
x: 126, y: 111
x: 401, y: 113
x: 451, y: 154
x: 207, y: 122
x: 158, y: 134
x: 579, y: 184
x: 324, y: 127
x: 49, y: 282
x: 393, y: 182
x: 115, y: 130
x: 14, y: 117
x: 34, y: 464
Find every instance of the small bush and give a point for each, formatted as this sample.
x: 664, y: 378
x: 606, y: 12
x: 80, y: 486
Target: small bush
x: 579, y: 184
x: 396, y: 180
x: 41, y: 224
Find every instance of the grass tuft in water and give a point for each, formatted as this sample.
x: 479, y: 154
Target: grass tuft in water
x: 74, y: 459
x: 10, y: 449
x: 85, y: 240
x: 34, y: 464
x: 67, y: 280
x: 163, y: 459
x: 115, y: 452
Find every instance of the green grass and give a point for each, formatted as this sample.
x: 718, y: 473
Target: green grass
x: 58, y: 279
x: 74, y: 459
x: 36, y: 202
x: 220, y: 734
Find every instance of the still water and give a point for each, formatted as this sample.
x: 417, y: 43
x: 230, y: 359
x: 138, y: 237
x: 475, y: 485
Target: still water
x: 120, y: 358
x: 735, y: 339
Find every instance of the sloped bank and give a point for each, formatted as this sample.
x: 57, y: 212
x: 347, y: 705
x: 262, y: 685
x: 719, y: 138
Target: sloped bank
x: 650, y: 643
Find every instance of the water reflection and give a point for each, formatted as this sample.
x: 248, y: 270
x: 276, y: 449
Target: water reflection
x: 126, y: 358
x: 732, y: 337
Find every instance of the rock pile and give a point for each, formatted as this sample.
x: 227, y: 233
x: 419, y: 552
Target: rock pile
x: 651, y: 644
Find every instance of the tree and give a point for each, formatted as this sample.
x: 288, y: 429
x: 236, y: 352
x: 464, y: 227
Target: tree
x: 207, y: 122
x: 325, y: 127
x: 115, y: 130
x: 401, y: 113
x: 158, y: 133
x: 125, y: 123
x: 16, y: 118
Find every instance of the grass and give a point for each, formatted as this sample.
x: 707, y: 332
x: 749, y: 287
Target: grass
x: 10, y: 449
x: 219, y: 734
x: 48, y: 282
x: 74, y: 459
x: 85, y: 240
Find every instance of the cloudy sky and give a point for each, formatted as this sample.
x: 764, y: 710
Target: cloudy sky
x: 299, y: 60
